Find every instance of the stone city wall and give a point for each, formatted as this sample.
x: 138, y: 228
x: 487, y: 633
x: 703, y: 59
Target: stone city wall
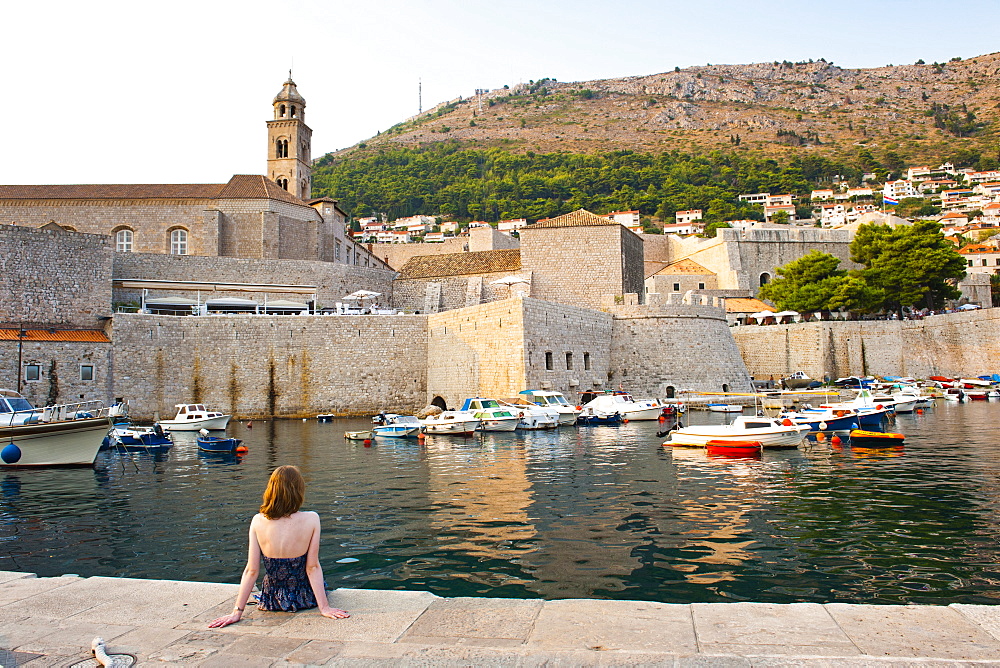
x: 661, y: 348
x: 954, y: 344
x: 271, y: 365
x: 431, y: 295
x: 60, y: 371
x: 396, y: 255
x: 54, y: 278
x: 476, y: 352
x: 333, y: 281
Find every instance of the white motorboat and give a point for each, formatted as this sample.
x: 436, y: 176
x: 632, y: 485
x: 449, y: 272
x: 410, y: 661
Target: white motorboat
x: 194, y: 417
x: 531, y: 416
x: 60, y: 435
x: 491, y: 415
x: 769, y: 432
x: 556, y: 401
x: 393, y: 425
x: 455, y: 423
x: 623, y: 404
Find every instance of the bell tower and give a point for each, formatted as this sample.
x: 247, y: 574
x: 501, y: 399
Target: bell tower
x: 289, y: 142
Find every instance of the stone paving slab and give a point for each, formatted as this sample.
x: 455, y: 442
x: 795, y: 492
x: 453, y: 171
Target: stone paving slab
x: 51, y: 622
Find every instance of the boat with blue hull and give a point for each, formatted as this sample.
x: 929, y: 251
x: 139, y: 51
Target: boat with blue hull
x: 600, y: 419
x: 824, y: 419
x: 392, y: 425
x: 208, y: 443
x: 131, y: 437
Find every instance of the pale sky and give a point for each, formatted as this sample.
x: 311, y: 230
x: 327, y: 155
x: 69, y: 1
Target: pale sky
x: 179, y: 92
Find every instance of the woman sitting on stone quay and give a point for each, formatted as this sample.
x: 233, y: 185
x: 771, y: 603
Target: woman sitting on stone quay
x: 293, y: 577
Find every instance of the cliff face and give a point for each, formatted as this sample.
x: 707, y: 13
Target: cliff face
x: 768, y: 108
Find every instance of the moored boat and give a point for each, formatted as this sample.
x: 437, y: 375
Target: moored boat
x: 451, y: 423
x: 392, y: 425
x: 491, y: 415
x: 600, y: 419
x: 769, y: 432
x: 210, y: 443
x: 358, y: 435
x: 875, y: 439
x: 132, y: 437
x: 725, y: 408
x: 194, y: 417
x: 555, y: 401
x: 620, y: 402
x: 824, y: 419
x: 734, y: 448
x: 797, y: 381
x: 59, y: 435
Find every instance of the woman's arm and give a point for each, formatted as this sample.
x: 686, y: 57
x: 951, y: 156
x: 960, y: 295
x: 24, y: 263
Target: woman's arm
x: 315, y: 574
x: 247, y: 582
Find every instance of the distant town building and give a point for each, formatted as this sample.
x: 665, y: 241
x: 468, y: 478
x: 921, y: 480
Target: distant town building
x: 684, y: 217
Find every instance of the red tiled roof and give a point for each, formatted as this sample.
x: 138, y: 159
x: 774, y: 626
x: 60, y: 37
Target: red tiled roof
x: 86, y: 335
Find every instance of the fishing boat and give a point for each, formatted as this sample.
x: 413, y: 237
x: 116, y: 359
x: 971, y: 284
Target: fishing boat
x: 58, y: 435
x: 358, y: 435
x: 769, y: 432
x: 392, y: 425
x: 451, y: 423
x: 875, y: 439
x: 797, y: 381
x: 209, y: 443
x: 195, y: 417
x: 725, y: 408
x: 132, y: 437
x: 555, y: 401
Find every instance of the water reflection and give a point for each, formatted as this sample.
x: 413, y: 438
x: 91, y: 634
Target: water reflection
x: 588, y: 512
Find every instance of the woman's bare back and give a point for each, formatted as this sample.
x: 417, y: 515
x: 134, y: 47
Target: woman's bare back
x: 285, y: 537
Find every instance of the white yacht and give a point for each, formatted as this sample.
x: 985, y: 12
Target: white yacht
x: 194, y: 417
x: 623, y: 404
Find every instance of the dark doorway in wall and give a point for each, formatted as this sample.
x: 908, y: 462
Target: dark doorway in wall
x: 440, y: 403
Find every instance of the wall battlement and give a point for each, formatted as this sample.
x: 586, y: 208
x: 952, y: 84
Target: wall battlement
x: 671, y: 305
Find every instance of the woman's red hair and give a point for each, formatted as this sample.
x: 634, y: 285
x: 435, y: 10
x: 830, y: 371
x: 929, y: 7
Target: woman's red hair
x: 286, y: 489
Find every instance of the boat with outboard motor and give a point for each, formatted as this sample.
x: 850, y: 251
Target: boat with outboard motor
x: 769, y: 432
x: 209, y: 443
x: 393, y: 425
x: 132, y: 437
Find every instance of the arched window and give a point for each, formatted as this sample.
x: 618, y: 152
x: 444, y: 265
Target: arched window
x: 281, y: 111
x: 671, y: 391
x: 283, y: 182
x: 123, y: 241
x: 293, y: 111
x: 178, y: 242
x: 765, y: 278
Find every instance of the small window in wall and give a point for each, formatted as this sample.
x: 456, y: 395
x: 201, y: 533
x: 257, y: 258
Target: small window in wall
x: 337, y: 253
x: 765, y: 278
x: 86, y: 372
x: 569, y: 361
x: 677, y: 287
x: 178, y: 242
x: 701, y: 286
x: 32, y: 372
x: 548, y: 361
x: 671, y: 392
x: 586, y: 361
x: 123, y: 241
x: 970, y: 263
x: 725, y: 387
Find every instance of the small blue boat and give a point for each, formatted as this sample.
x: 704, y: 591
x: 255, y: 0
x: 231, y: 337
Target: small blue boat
x: 396, y: 426
x: 592, y: 420
x: 219, y: 443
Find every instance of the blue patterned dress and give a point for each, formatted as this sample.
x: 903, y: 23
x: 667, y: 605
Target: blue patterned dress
x: 285, y: 586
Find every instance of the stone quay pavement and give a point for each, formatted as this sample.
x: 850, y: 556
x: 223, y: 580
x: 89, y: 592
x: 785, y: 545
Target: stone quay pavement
x: 52, y: 621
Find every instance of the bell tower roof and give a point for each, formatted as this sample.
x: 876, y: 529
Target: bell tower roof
x: 289, y: 93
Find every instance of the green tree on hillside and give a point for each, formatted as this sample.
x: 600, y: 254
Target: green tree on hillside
x: 913, y: 265
x: 814, y: 283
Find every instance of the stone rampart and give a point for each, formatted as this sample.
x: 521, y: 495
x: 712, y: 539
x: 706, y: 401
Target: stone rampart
x: 953, y: 344
x: 333, y: 281
x: 60, y: 365
x: 54, y: 278
x: 661, y: 348
x: 287, y: 366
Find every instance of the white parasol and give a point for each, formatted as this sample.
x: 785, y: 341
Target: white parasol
x: 509, y: 280
x: 361, y: 295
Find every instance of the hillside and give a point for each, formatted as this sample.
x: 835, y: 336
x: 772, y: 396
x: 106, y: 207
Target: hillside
x: 912, y: 112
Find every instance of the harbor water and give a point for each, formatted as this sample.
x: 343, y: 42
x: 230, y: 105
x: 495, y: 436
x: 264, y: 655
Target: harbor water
x: 582, y: 512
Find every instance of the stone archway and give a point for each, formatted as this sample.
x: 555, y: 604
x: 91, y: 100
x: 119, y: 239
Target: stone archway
x: 440, y: 403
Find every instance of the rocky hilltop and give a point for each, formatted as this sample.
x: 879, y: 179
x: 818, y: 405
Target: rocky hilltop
x: 921, y: 111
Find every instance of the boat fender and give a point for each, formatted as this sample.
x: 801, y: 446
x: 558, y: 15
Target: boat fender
x: 823, y: 426
x: 854, y: 425
x: 879, y: 407
x: 242, y: 448
x: 835, y: 440
x: 579, y: 408
x: 786, y: 422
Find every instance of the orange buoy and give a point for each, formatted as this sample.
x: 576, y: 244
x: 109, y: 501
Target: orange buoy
x: 421, y: 436
x: 662, y: 418
x: 820, y: 436
x: 787, y: 422
x: 835, y: 440
x: 249, y: 424
x: 368, y: 442
x: 920, y: 411
x: 242, y: 448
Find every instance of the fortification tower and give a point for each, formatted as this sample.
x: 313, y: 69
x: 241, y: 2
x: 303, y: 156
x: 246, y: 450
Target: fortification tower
x: 289, y: 142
